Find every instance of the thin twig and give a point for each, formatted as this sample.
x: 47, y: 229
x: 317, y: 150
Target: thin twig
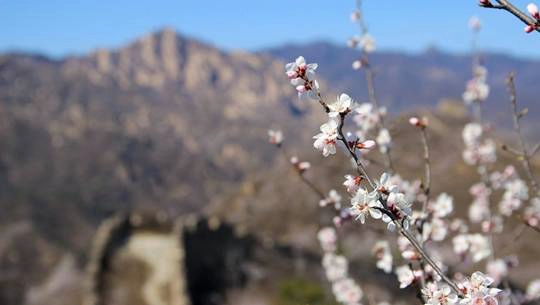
x: 534, y: 150
x: 525, y: 157
x: 370, y: 83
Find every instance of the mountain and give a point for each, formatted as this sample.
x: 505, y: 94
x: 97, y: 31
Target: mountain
x: 165, y: 122
x: 172, y: 124
x: 405, y: 81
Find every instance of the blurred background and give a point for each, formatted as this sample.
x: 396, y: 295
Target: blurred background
x: 134, y: 167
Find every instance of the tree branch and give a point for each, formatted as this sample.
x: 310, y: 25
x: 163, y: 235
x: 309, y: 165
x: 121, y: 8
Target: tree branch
x: 509, y: 7
x: 516, y: 115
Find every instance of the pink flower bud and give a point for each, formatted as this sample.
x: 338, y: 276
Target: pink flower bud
x: 422, y: 123
x: 485, y: 2
x: 529, y: 29
x: 355, y: 16
x: 301, y: 88
x: 533, y: 10
x: 369, y: 144
x: 410, y: 255
x: 292, y: 74
x: 357, y: 64
x: 414, y: 121
x: 304, y: 166
x: 337, y: 221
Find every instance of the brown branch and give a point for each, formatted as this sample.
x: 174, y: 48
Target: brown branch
x: 516, y: 115
x: 509, y: 7
x: 426, y: 184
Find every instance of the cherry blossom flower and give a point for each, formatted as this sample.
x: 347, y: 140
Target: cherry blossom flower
x: 367, y: 43
x: 347, y: 291
x: 443, y: 205
x: 436, y: 230
x: 459, y: 226
x: 516, y: 191
x: 326, y: 140
x: 365, y: 145
x: 355, y: 16
x: 484, y: 153
x: 367, y: 116
x: 479, y: 211
x: 497, y: 269
x: 364, y: 204
x: 352, y: 183
x: 406, y: 276
x: 357, y: 64
x: 384, y: 140
x: 333, y: 198
x: 492, y: 225
x: 477, y: 291
x: 342, y: 105
x: 476, y: 245
x: 418, y: 122
x: 411, y: 189
x: 398, y: 204
x: 336, y: 266
x: 477, y: 89
x: 439, y: 295
x: 533, y: 10
x: 385, y: 184
x: 275, y: 137
x: 532, y: 213
x: 299, y: 68
x: 533, y: 290
x: 302, y: 77
x: 480, y: 190
x: 472, y: 133
x: 300, y: 166
x: 381, y: 251
x: 327, y: 237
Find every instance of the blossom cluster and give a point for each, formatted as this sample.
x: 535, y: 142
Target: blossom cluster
x: 345, y: 289
x: 477, y: 90
x: 302, y: 77
x: 478, y: 151
x: 395, y: 202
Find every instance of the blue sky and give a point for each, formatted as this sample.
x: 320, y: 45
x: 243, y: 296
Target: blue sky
x: 61, y: 27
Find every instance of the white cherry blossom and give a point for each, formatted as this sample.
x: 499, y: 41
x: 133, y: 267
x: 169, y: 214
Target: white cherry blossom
x: 367, y: 43
x: 443, y: 205
x: 327, y: 237
x: 343, y: 104
x: 326, y: 140
x: 275, y: 137
x: 352, y: 183
x: 364, y: 204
